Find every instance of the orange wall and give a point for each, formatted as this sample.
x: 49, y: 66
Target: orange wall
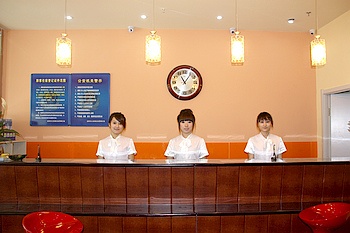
x: 276, y: 77
x: 155, y: 150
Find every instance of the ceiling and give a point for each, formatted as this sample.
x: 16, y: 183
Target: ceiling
x: 262, y: 15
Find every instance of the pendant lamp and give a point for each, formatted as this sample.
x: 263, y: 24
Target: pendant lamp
x: 153, y: 45
x: 64, y: 45
x: 237, y: 43
x: 318, y: 46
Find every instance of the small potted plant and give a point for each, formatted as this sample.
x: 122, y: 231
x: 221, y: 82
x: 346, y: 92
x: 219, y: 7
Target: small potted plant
x: 3, y: 129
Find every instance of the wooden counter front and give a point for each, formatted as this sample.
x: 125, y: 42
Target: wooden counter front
x: 147, y: 190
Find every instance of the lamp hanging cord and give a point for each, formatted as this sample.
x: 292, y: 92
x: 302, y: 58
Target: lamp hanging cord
x: 65, y: 17
x: 153, y: 16
x: 316, y: 18
x: 236, y: 15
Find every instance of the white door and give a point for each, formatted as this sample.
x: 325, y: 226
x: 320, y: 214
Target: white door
x: 340, y: 125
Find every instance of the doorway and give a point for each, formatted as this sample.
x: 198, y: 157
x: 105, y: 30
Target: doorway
x: 336, y: 122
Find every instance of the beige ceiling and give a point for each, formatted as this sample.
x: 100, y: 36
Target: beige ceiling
x: 266, y: 15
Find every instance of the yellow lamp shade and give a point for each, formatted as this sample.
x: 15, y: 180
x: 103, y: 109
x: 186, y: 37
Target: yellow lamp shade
x: 63, y: 51
x: 153, y: 49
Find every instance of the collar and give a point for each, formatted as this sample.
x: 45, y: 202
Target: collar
x: 188, y: 137
x: 119, y: 135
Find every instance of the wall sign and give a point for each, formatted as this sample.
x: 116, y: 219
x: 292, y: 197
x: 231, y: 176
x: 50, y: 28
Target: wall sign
x: 80, y: 99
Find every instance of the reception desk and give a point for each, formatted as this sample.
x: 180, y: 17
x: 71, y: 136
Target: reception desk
x: 168, y: 196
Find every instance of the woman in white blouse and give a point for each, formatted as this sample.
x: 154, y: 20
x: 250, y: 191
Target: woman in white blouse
x: 186, y: 146
x: 262, y: 146
x: 116, y: 146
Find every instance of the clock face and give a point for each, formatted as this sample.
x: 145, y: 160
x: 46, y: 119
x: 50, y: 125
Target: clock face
x: 184, y: 82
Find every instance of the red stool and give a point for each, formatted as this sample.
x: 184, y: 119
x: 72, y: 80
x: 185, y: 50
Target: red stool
x: 324, y: 218
x: 51, y: 222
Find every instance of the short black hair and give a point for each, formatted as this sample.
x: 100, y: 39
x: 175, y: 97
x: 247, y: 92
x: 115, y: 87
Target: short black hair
x: 119, y: 117
x: 264, y: 116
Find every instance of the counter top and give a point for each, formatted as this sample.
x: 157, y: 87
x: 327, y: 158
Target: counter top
x: 165, y: 162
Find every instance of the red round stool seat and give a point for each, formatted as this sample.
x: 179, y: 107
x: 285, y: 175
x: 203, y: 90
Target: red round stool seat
x: 51, y: 222
x: 324, y: 218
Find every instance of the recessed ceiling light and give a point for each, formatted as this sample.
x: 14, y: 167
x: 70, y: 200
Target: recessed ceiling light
x: 69, y: 17
x: 143, y: 16
x: 291, y: 21
x: 219, y: 17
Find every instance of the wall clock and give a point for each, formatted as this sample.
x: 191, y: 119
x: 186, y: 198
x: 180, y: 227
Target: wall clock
x: 184, y: 82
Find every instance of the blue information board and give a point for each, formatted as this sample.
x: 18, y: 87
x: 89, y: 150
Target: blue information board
x: 49, y: 99
x: 90, y: 99
x: 70, y: 99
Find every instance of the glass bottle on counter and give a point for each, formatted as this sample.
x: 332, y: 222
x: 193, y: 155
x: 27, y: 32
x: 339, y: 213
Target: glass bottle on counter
x: 274, y: 156
x: 38, y: 158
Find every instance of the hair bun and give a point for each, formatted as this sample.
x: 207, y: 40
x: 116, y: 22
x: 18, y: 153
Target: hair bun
x: 187, y: 110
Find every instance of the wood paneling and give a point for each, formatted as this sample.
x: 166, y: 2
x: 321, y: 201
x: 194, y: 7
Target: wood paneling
x: 346, y: 184
x: 8, y: 185
x: 275, y: 223
x: 182, y: 189
x: 298, y: 226
x: 92, y: 186
x: 114, y: 189
x: 208, y: 224
x: 70, y: 185
x: 134, y: 224
x: 249, y: 188
x: 333, y: 183
x: 198, y: 198
x: 204, y: 189
x: 159, y: 225
x: 159, y: 190
x: 270, y: 193
x: 110, y: 224
x: 175, y: 189
x: 91, y: 223
x: 137, y: 189
x: 227, y: 189
x: 48, y: 185
x: 312, y: 185
x: 232, y: 224
x: 292, y: 182
x: 27, y: 184
x: 256, y: 224
x: 184, y: 224
x: 278, y: 223
x: 11, y: 223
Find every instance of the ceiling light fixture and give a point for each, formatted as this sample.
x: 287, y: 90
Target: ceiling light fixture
x: 237, y: 43
x: 291, y: 21
x: 153, y: 45
x: 318, y: 46
x: 219, y: 17
x: 64, y: 46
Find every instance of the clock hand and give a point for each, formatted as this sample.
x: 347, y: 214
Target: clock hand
x: 188, y: 76
x: 182, y: 80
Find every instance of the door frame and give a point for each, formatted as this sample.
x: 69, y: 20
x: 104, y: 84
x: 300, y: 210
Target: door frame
x: 326, y: 117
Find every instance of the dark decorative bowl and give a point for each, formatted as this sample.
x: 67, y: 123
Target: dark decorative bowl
x: 17, y: 157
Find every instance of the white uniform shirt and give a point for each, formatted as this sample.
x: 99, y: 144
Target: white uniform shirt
x: 119, y: 148
x: 262, y: 148
x: 190, y: 148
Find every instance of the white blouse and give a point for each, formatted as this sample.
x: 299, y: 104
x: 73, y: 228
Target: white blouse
x: 262, y: 148
x: 119, y: 148
x: 190, y: 148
